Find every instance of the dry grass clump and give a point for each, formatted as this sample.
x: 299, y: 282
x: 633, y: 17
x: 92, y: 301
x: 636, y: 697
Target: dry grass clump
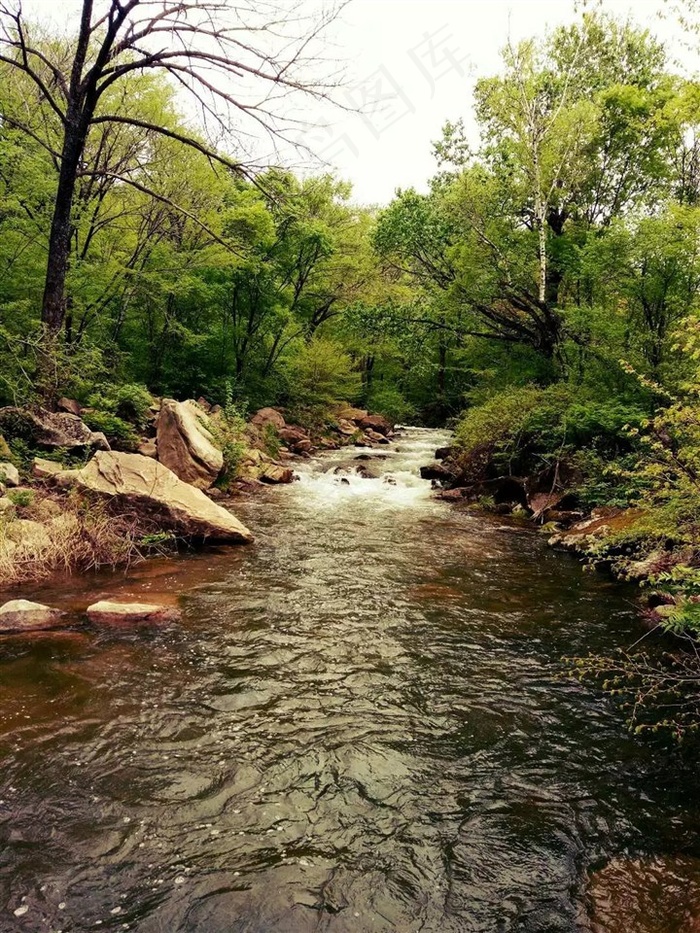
x: 49, y: 535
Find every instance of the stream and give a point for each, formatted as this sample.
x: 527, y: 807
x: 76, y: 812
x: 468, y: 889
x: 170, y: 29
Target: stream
x: 360, y: 725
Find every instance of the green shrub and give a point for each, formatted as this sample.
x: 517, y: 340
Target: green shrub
x: 22, y: 498
x: 119, y: 433
x: 228, y: 430
x: 526, y: 429
x: 321, y: 374
x: 386, y: 399
x: 129, y: 403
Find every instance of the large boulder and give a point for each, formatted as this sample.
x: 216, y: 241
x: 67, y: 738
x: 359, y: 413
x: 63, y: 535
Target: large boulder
x: 376, y: 423
x: 50, y: 429
x: 110, y: 613
x: 268, y: 416
x: 186, y: 443
x: 20, y: 615
x: 149, y: 488
x: 292, y: 435
x: 9, y: 474
x: 295, y: 438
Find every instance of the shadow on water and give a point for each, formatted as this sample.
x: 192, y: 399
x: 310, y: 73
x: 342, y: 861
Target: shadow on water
x: 359, y: 725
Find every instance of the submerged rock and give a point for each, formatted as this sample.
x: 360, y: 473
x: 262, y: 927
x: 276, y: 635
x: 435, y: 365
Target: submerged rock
x: 186, y: 443
x: 647, y: 894
x: 436, y: 471
x: 108, y: 612
x: 150, y: 489
x: 21, y: 615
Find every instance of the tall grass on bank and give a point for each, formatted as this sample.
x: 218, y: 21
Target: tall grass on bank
x: 72, y: 535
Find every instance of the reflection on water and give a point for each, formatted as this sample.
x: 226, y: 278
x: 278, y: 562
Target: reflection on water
x: 359, y: 726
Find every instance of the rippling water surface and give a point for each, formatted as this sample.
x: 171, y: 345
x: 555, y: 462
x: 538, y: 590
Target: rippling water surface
x: 359, y: 726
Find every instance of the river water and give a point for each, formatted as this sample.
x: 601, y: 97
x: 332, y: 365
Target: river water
x: 360, y: 725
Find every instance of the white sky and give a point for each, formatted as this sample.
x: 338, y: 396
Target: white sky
x: 421, y: 58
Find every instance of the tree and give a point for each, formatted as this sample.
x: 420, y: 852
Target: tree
x: 576, y: 131
x: 239, y: 62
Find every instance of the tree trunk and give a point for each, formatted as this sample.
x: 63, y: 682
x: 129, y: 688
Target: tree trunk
x: 53, y: 309
x: 77, y: 121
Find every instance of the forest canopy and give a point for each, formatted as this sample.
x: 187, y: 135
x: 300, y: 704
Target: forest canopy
x: 559, y: 247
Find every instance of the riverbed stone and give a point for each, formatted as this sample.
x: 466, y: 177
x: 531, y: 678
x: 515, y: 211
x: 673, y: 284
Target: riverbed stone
x: 377, y: 423
x: 436, y: 471
x: 110, y: 612
x: 138, y: 484
x: 9, y: 474
x: 186, y: 443
x: 21, y: 615
x: 274, y: 474
x: 646, y: 894
x: 28, y: 534
x: 348, y: 413
x: 292, y: 435
x: 348, y: 428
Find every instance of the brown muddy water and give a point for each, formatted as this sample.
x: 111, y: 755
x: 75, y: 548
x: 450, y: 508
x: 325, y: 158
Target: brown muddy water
x: 359, y: 726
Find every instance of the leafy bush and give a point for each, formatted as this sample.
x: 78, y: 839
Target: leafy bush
x: 228, y: 430
x: 526, y: 429
x: 386, y: 399
x: 118, y: 432
x: 321, y: 374
x: 129, y: 403
x: 22, y: 498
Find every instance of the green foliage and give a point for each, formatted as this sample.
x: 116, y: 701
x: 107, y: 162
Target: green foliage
x: 128, y: 402
x: 388, y: 400
x: 23, y: 498
x: 525, y: 421
x: 118, y: 432
x: 228, y: 429
x: 321, y: 374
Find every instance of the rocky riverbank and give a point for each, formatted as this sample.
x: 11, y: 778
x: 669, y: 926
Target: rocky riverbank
x: 71, y: 500
x: 609, y: 538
